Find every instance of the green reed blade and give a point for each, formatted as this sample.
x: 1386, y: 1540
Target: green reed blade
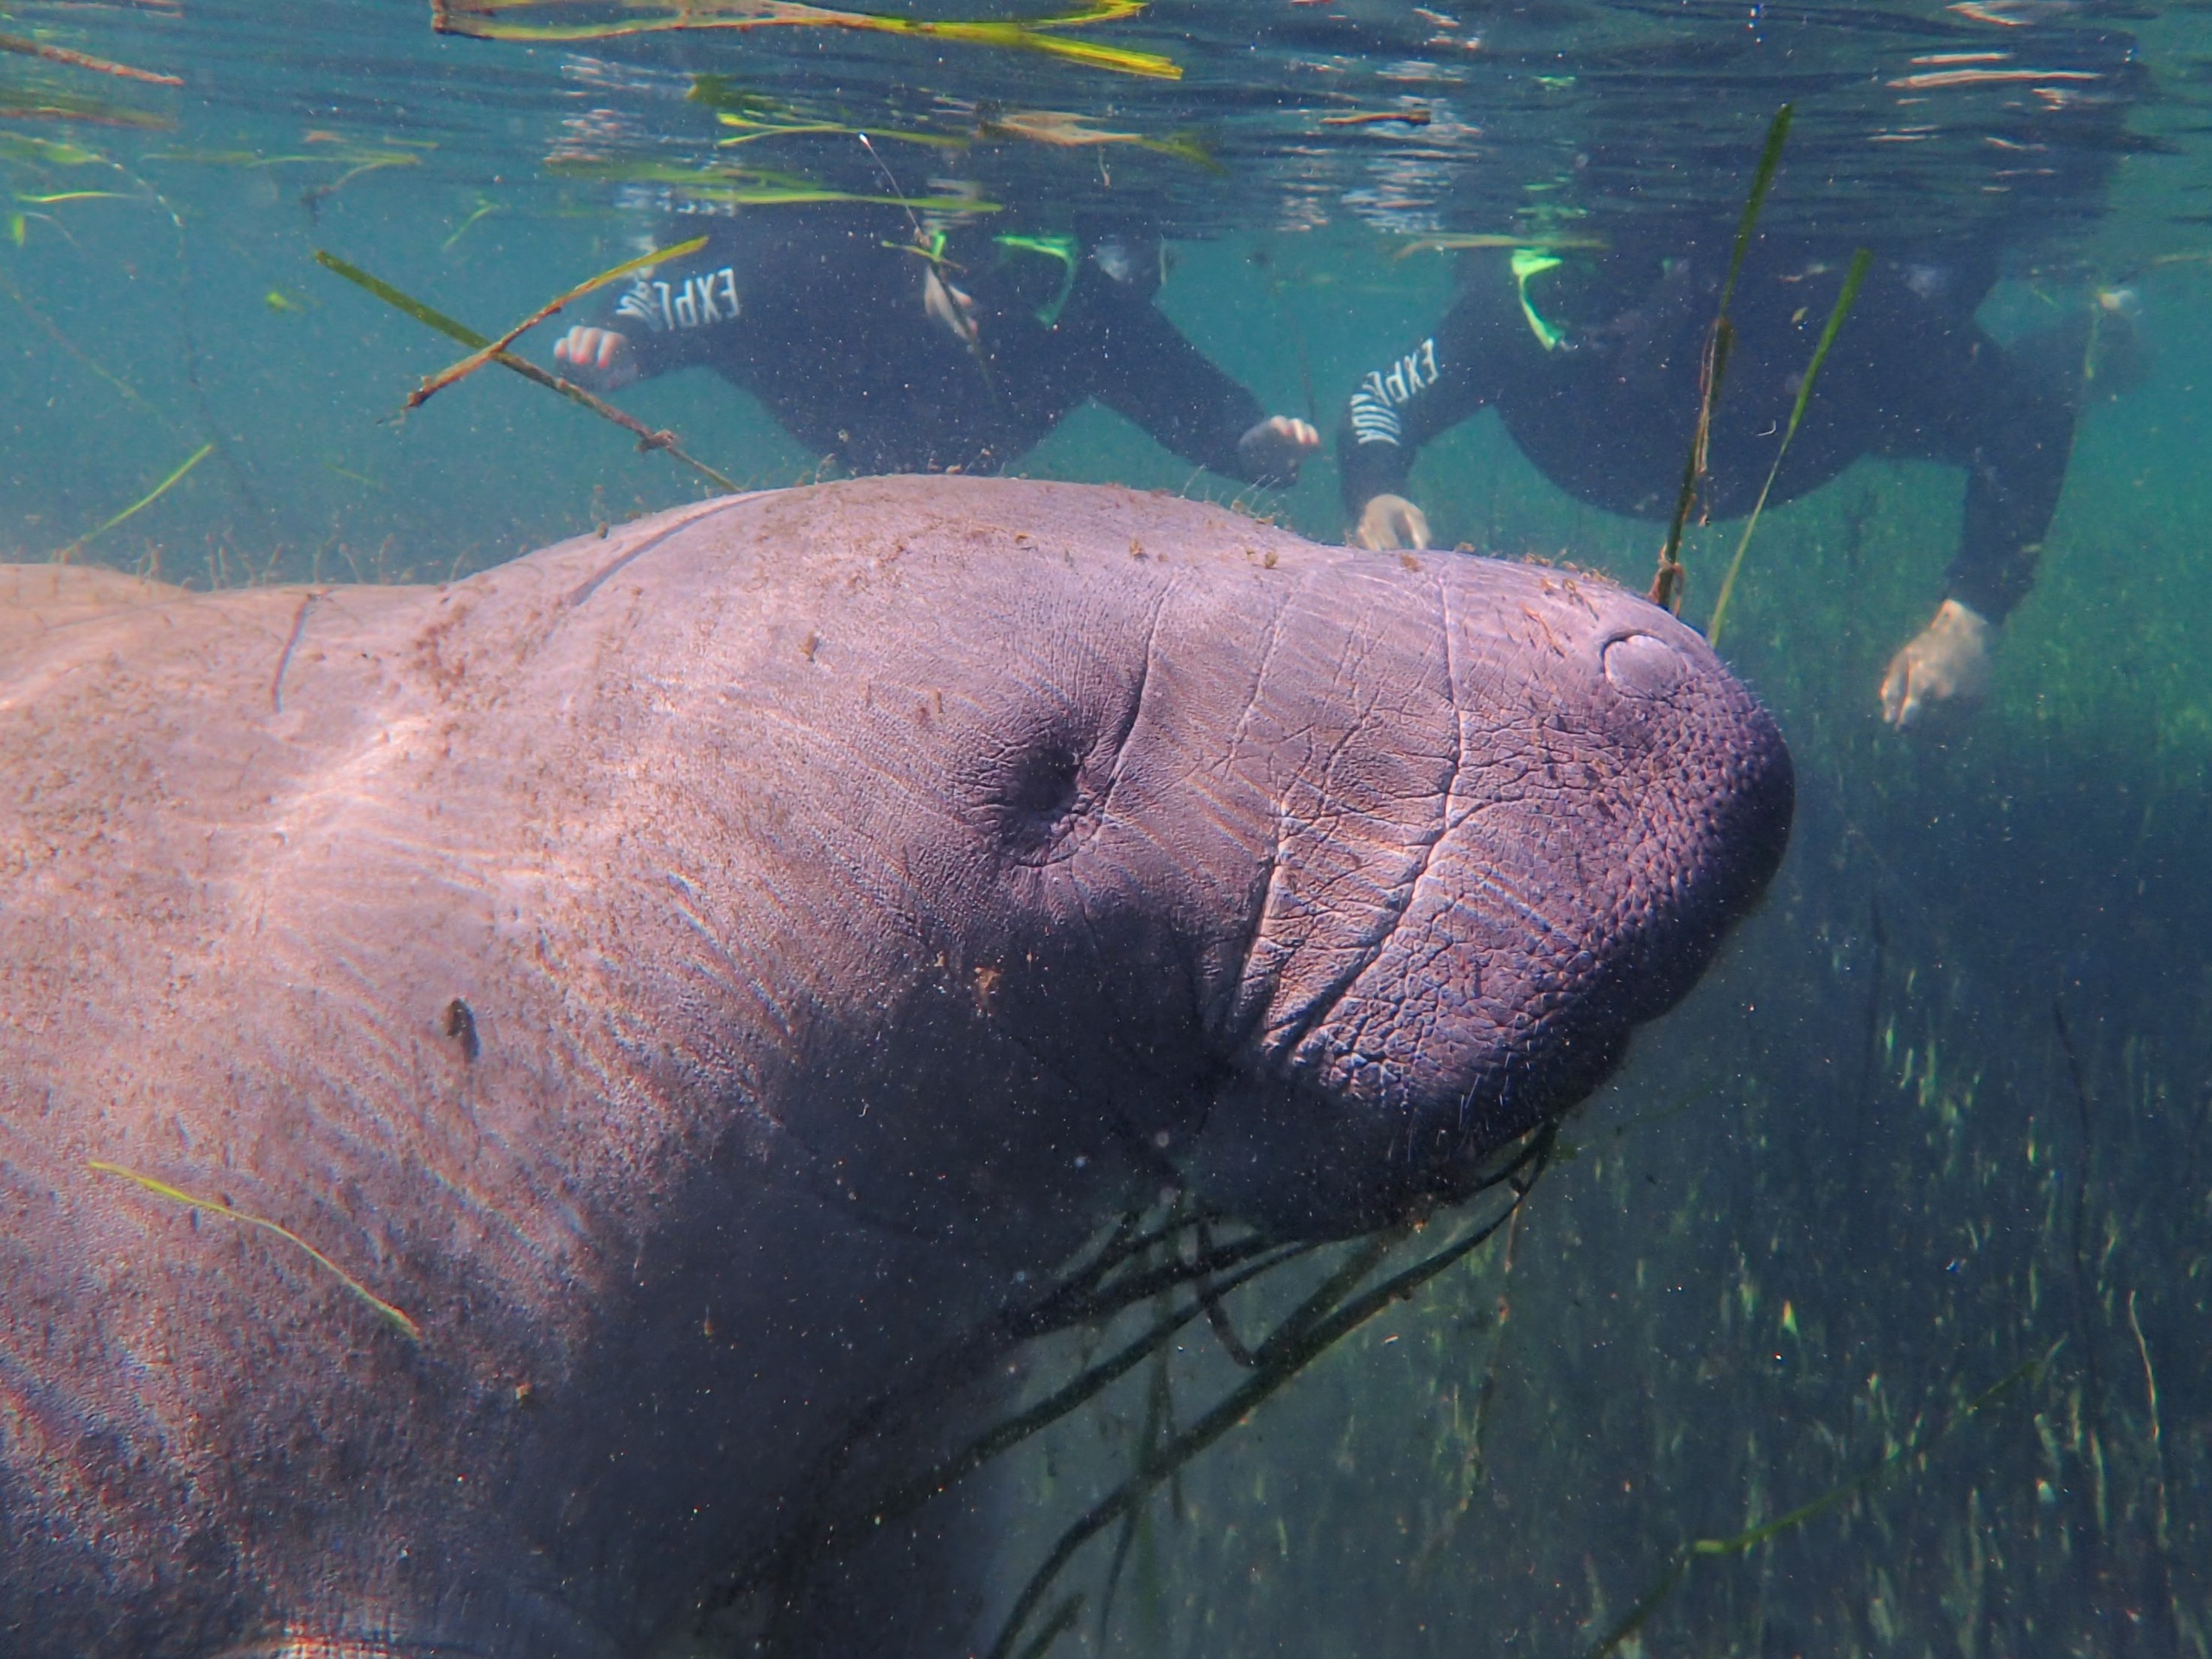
x: 492, y: 348
x: 647, y: 438
x: 1667, y: 581
x: 1778, y: 135
x: 140, y: 505
x: 1861, y: 262
x: 399, y: 301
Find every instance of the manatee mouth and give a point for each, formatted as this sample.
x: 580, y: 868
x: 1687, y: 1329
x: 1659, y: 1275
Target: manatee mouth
x: 1585, y: 875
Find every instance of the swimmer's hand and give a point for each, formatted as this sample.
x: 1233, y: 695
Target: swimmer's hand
x: 1389, y: 521
x: 1271, y: 450
x: 1946, y: 662
x: 599, y: 359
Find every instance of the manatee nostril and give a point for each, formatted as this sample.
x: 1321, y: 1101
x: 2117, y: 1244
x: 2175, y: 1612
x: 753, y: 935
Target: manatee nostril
x: 1641, y: 665
x: 1044, y: 790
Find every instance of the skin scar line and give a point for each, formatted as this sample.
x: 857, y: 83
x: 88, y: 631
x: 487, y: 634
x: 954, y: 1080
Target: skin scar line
x: 291, y: 641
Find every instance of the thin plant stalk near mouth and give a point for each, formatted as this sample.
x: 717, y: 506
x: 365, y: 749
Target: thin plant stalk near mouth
x: 1178, y: 1266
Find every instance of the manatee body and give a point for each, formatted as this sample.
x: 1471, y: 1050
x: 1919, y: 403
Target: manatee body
x: 679, y: 979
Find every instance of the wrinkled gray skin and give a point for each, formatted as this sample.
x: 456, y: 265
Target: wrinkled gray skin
x: 856, y: 893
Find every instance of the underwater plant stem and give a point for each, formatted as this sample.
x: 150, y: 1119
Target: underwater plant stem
x: 1666, y: 583
x: 22, y: 48
x: 1860, y: 263
x: 1224, y: 1329
x: 137, y: 506
x: 128, y: 392
x: 1062, y: 1621
x: 215, y: 1207
x: 492, y: 349
x: 1085, y: 1385
x: 2159, y: 1533
x: 1687, y: 1555
x: 479, y: 19
x: 647, y: 436
x: 1296, y: 1343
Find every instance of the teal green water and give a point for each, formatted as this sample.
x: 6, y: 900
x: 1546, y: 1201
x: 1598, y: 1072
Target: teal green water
x: 1944, y: 1109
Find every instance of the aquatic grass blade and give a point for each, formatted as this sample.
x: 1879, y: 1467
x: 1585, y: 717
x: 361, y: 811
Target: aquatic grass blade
x: 756, y: 187
x: 139, y: 505
x: 1457, y: 241
x: 1861, y: 262
x: 491, y: 349
x: 1667, y: 581
x: 22, y: 48
x: 1324, y: 1318
x: 489, y: 20
x: 403, y: 303
x: 1778, y: 135
x: 216, y: 1207
x: 647, y: 436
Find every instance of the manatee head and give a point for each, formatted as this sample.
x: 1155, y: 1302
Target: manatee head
x: 1127, y: 841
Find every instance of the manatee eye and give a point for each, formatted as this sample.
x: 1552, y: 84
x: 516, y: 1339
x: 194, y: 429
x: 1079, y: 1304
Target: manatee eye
x: 1041, y: 791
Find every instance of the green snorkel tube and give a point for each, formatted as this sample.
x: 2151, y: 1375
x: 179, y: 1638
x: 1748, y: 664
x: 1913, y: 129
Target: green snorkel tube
x: 1531, y: 263
x: 1061, y: 248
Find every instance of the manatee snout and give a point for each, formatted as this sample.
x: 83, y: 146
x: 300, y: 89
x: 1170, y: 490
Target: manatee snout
x: 1614, y: 800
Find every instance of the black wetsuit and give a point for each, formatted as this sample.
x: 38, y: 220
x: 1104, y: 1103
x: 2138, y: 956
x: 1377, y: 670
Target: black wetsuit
x: 825, y: 320
x: 1607, y: 410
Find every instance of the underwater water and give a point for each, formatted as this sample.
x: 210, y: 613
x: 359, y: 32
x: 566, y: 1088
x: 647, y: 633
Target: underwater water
x: 1897, y: 1235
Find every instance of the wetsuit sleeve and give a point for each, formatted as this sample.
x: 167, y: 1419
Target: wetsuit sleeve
x: 2019, y: 468
x: 1142, y: 368
x: 2006, y: 415
x: 688, y: 311
x: 1403, y: 403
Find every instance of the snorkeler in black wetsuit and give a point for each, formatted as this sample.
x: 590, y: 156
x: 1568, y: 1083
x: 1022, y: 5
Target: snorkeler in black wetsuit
x: 1592, y: 362
x: 889, y: 346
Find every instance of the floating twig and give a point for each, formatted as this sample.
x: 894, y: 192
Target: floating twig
x: 1059, y: 129
x: 647, y: 438
x: 22, y: 48
x: 1377, y: 118
x: 1860, y: 263
x: 216, y: 1207
x: 491, y: 349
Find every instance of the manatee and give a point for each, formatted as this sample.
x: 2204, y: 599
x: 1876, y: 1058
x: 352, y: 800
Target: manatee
x: 496, y: 1074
